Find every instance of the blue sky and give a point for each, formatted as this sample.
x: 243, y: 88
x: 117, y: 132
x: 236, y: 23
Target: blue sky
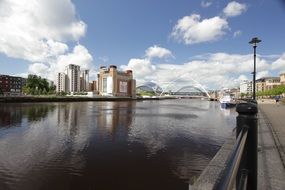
x: 161, y: 40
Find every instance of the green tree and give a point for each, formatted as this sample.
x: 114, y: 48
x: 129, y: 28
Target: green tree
x: 272, y: 92
x: 52, y: 89
x: 36, y: 85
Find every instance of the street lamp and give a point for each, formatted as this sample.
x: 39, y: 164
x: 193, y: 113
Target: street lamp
x: 254, y: 42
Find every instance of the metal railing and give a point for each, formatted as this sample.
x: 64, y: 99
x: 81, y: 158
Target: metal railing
x: 241, y: 168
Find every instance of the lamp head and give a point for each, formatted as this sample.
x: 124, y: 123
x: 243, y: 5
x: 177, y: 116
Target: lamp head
x: 254, y: 41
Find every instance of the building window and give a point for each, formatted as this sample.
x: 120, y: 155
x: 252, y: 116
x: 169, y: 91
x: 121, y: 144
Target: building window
x: 123, y: 87
x: 104, y: 84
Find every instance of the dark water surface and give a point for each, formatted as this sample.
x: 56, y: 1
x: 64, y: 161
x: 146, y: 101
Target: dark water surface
x: 109, y: 145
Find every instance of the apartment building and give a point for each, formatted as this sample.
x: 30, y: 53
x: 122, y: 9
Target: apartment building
x: 267, y: 83
x: 11, y: 85
x: 72, y: 78
x: 61, y: 82
x: 246, y: 87
x: 84, y: 80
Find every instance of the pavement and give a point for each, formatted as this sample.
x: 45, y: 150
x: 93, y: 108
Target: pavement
x: 271, y: 145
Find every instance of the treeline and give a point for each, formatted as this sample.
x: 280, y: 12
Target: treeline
x: 278, y: 90
x: 35, y: 85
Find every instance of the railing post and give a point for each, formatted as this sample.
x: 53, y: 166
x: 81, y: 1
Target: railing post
x: 247, y: 117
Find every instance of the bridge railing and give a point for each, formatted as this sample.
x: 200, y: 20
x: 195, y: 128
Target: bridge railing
x: 241, y: 168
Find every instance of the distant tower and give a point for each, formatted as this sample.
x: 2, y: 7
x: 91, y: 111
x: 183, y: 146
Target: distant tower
x: 73, y: 78
x: 85, y: 80
x: 60, y: 82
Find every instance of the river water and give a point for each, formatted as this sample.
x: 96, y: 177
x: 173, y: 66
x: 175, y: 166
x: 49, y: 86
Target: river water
x: 109, y: 145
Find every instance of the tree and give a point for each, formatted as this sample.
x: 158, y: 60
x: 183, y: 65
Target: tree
x: 272, y: 92
x: 36, y: 85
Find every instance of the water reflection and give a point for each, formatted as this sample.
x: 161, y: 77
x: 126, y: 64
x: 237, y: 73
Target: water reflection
x: 115, y: 118
x: 12, y: 114
x: 195, y: 120
x: 136, y: 145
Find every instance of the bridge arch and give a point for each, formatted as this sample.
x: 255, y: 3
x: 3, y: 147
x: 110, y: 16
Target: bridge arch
x: 193, y: 83
x: 189, y: 87
x: 150, y: 86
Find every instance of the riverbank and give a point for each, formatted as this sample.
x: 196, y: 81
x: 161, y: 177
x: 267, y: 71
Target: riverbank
x: 60, y: 99
x: 31, y: 99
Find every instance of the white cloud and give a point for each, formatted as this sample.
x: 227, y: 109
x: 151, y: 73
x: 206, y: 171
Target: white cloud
x: 234, y: 9
x: 237, y: 33
x: 191, y: 29
x: 279, y: 64
x: 242, y: 78
x: 104, y: 59
x: 262, y: 74
x: 206, y: 4
x: 213, y: 71
x: 143, y: 67
x: 159, y: 52
x: 79, y: 56
x: 38, y: 68
x: 38, y: 31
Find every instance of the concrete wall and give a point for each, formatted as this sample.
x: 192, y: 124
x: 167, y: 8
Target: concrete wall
x: 213, y: 172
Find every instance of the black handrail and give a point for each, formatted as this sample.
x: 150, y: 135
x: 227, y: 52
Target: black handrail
x: 242, y: 163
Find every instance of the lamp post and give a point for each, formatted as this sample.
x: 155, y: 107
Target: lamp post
x: 254, y: 42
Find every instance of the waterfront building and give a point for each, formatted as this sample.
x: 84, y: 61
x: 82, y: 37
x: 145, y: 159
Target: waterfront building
x: 246, y: 87
x: 72, y: 78
x: 11, y: 85
x: 282, y: 78
x: 112, y: 82
x: 93, y: 85
x: 272, y: 82
x: 60, y: 82
x: 267, y: 83
x: 84, y: 80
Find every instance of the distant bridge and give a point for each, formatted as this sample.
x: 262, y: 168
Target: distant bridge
x: 186, y: 88
x: 189, y: 92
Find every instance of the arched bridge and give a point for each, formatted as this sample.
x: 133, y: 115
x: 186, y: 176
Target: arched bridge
x: 190, y: 91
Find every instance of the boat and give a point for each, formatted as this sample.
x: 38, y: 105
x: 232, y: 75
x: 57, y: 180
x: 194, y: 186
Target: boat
x: 227, y: 101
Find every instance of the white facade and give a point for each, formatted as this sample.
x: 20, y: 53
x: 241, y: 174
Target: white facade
x: 85, y: 80
x: 72, y: 78
x: 109, y: 85
x: 60, y: 82
x: 246, y: 87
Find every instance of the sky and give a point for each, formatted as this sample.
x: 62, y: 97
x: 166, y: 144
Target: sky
x: 171, y: 43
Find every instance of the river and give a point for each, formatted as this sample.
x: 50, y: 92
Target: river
x: 109, y: 145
